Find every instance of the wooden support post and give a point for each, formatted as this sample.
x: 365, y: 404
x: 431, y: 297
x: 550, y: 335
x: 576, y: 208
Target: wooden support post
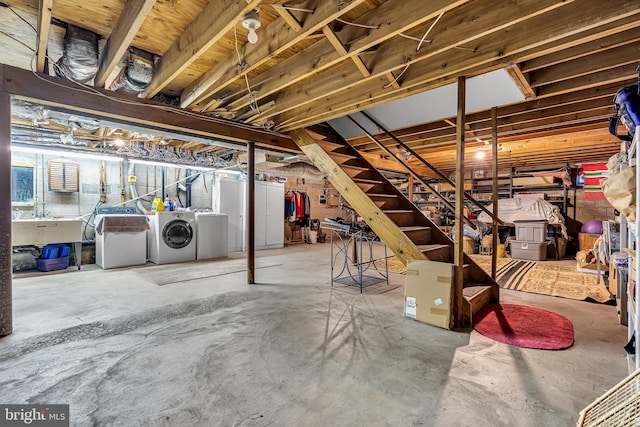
x: 251, y: 212
x: 458, y: 253
x: 6, y: 311
x: 494, y: 186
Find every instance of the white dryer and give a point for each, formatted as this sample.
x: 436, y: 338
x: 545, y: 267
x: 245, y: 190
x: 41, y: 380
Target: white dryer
x: 213, y: 235
x: 172, y: 237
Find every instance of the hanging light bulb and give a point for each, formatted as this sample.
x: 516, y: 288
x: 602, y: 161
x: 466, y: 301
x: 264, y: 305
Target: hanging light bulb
x: 251, y: 21
x: 480, y: 154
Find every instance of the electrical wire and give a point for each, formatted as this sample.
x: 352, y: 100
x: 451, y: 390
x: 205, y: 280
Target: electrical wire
x: 252, y: 103
x: 406, y: 67
x: 19, y: 16
x: 422, y: 40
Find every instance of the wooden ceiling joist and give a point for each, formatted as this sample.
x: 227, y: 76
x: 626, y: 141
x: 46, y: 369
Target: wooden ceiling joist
x: 493, y: 52
x: 584, y: 66
x: 216, y: 19
x: 130, y: 21
x: 397, y: 16
x: 275, y: 39
x: 44, y: 24
x: 458, y: 29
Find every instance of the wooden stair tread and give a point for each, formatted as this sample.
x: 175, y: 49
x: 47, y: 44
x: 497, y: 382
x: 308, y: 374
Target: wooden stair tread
x: 358, y: 168
x: 330, y: 145
x: 381, y: 195
x: 413, y: 228
x: 367, y: 181
x: 397, y: 211
x: 342, y: 156
x: 474, y: 290
x: 424, y: 248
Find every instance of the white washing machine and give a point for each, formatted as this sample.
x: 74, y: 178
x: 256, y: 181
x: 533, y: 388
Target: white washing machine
x: 172, y: 237
x: 121, y: 240
x: 212, y: 235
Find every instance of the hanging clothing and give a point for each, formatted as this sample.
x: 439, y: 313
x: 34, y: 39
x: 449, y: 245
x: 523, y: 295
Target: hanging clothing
x: 289, y: 206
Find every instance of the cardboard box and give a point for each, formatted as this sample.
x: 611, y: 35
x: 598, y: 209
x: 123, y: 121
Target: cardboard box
x: 428, y: 292
x: 587, y: 240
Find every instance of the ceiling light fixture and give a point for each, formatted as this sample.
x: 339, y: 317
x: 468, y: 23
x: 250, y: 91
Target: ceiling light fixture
x: 65, y: 153
x: 480, y: 154
x: 251, y: 21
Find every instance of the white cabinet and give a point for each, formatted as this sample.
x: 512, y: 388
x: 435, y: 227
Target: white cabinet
x: 269, y: 215
x: 229, y: 197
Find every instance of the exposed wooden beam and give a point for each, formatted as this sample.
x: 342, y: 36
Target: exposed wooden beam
x: 276, y: 38
x: 397, y: 16
x: 64, y: 95
x: 216, y: 19
x: 342, y: 51
x: 611, y: 75
x: 503, y: 48
x: 414, y: 134
x: 6, y: 300
x: 585, y: 49
x: 129, y: 22
x: 521, y: 81
x: 459, y: 318
x: 582, y: 66
x: 44, y: 24
x: 459, y: 29
x: 288, y: 18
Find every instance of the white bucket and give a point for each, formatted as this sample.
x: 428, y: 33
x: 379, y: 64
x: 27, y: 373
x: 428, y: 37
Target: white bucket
x: 313, y: 236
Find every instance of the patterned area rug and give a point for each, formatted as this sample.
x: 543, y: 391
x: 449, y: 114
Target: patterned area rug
x: 546, y: 278
x: 536, y: 277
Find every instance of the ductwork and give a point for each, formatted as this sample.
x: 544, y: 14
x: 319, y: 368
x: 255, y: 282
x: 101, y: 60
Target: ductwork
x: 38, y: 113
x: 134, y: 190
x: 299, y: 169
x: 79, y: 62
x: 134, y: 77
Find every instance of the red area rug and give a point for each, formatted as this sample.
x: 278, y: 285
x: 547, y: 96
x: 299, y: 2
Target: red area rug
x: 524, y: 326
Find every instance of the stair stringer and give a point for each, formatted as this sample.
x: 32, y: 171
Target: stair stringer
x: 381, y: 224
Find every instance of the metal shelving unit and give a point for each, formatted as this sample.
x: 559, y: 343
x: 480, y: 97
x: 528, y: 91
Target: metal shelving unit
x: 630, y: 238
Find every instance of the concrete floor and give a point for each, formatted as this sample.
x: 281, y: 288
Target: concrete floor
x: 134, y: 347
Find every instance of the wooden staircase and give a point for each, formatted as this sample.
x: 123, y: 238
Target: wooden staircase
x: 395, y: 219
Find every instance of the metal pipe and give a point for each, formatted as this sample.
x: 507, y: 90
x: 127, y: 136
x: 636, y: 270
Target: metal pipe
x: 6, y: 303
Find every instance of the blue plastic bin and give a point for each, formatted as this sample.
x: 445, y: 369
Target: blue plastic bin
x: 52, y: 264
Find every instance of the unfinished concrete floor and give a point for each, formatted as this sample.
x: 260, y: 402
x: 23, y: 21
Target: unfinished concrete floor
x: 193, y: 344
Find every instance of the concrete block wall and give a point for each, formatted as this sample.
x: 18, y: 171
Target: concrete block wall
x: 592, y: 209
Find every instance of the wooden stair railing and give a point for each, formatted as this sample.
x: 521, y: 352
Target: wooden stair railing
x: 396, y: 220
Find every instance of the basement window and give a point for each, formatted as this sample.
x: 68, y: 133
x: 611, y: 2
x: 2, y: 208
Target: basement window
x: 21, y: 184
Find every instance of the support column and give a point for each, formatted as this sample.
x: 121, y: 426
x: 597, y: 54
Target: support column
x: 494, y: 186
x: 251, y: 212
x: 6, y: 312
x: 458, y: 253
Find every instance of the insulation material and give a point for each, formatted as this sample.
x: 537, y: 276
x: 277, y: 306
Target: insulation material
x: 80, y: 59
x: 594, y: 173
x: 134, y: 78
x: 299, y: 169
